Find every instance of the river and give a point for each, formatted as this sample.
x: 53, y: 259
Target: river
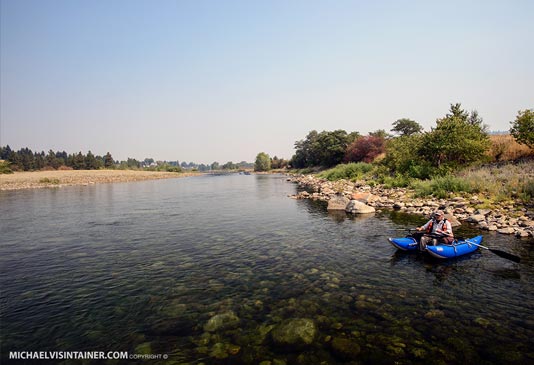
x: 145, y: 267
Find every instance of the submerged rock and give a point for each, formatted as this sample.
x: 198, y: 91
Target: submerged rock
x: 223, y: 350
x: 223, y: 321
x: 294, y: 332
x: 345, y: 348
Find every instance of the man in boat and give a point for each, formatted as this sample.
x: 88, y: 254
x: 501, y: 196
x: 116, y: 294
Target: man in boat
x: 437, y: 230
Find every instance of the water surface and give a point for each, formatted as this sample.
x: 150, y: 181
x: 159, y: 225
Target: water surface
x: 133, y: 266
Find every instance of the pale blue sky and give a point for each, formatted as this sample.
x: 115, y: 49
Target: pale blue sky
x: 221, y: 81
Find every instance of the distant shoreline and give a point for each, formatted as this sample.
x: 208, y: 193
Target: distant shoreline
x: 60, y: 178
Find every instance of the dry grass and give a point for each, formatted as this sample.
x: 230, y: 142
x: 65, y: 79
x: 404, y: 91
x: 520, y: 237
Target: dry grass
x: 40, y: 179
x: 503, y: 182
x: 505, y: 148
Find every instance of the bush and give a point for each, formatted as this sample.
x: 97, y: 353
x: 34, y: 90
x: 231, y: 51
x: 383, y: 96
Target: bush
x: 4, y: 168
x: 47, y: 180
x: 350, y: 171
x: 397, y: 181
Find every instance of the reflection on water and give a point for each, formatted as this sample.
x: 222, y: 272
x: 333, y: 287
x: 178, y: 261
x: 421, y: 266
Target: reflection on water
x: 212, y: 269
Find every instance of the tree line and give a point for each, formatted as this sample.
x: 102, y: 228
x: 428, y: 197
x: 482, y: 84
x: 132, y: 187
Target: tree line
x: 458, y: 139
x: 26, y: 160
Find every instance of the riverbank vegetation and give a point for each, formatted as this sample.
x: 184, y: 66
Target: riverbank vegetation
x: 457, y: 156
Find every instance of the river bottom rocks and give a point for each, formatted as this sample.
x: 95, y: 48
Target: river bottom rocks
x: 511, y: 218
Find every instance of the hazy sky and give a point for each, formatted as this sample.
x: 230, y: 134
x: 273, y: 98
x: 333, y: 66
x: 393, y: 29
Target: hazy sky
x: 221, y: 81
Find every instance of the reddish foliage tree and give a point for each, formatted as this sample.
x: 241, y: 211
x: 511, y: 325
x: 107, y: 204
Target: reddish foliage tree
x: 365, y: 149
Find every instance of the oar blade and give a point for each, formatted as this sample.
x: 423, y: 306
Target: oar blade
x: 506, y: 255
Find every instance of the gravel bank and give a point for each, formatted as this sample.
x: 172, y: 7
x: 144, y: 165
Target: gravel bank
x: 47, y: 179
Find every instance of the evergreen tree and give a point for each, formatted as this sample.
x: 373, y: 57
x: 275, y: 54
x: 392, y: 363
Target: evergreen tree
x: 108, y: 161
x: 78, y: 162
x: 90, y: 161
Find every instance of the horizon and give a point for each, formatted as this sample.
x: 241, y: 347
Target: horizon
x: 205, y: 82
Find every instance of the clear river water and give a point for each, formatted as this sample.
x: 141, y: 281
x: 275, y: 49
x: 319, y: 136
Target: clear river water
x: 203, y: 270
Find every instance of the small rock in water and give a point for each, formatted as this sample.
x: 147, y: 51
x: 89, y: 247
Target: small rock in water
x: 345, y: 348
x: 224, y: 321
x: 295, y: 332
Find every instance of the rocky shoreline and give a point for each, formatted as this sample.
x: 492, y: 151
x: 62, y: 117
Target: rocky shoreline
x: 356, y: 198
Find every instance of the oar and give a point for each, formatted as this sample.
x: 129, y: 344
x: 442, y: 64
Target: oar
x: 504, y: 255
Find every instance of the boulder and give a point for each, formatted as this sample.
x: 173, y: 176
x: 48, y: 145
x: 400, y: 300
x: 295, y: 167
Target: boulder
x: 475, y: 218
x: 507, y: 230
x: 454, y: 222
x: 366, y: 198
x: 357, y: 207
x: 337, y: 203
x: 296, y: 332
x: 223, y: 321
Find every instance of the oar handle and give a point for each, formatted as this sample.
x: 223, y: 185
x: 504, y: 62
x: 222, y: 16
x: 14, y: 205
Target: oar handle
x: 476, y: 244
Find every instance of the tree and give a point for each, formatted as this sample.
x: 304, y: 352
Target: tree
x: 78, y: 162
x: 263, y: 162
x: 406, y: 127
x: 229, y: 166
x: 523, y: 127
x: 456, y: 140
x: 215, y: 165
x: 402, y: 157
x: 365, y: 149
x: 108, y: 161
x: 90, y: 161
x: 52, y: 160
x: 322, y: 149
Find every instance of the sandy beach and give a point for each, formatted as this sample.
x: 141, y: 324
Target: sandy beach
x: 47, y: 179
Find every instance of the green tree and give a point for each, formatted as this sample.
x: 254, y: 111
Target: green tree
x: 402, y: 157
x: 78, y: 162
x: 215, y: 165
x: 90, y: 161
x: 108, y: 161
x: 263, y: 162
x: 523, y: 127
x: 380, y: 133
x: 52, y: 160
x: 455, y: 141
x: 322, y: 149
x: 406, y: 127
x: 229, y: 166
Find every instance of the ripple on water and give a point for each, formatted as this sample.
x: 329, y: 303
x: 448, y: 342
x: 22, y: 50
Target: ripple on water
x: 205, y: 269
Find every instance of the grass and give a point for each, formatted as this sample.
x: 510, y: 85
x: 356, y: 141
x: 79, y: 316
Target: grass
x: 496, y: 183
x: 443, y: 187
x: 505, y: 148
x: 351, y: 171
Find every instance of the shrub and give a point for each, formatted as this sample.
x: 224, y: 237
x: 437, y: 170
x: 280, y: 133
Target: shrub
x: 350, y: 171
x: 4, y: 168
x: 47, y: 180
